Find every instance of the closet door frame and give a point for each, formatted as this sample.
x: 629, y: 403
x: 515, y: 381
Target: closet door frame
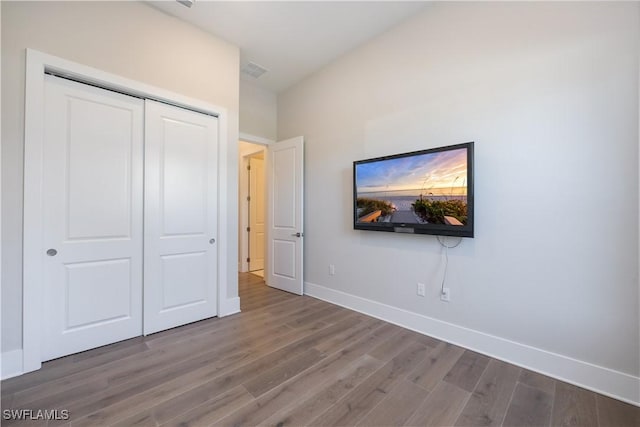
x: 37, y: 65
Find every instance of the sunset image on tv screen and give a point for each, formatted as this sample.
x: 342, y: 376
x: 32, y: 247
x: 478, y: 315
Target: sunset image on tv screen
x: 426, y: 188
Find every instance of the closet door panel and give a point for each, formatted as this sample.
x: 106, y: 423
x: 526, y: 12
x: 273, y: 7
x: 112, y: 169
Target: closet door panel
x: 92, y: 217
x: 181, y: 173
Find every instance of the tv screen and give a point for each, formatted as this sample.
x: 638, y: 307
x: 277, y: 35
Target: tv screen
x: 422, y: 192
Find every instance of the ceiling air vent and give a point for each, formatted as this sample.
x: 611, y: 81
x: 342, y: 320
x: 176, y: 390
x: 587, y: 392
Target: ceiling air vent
x: 254, y: 70
x: 187, y: 3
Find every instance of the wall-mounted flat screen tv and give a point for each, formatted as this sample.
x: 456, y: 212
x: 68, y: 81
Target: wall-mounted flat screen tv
x: 422, y: 192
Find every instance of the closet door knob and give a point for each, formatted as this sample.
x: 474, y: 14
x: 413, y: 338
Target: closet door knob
x: 212, y: 241
x: 52, y: 252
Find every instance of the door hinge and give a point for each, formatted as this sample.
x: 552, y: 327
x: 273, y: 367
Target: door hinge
x: 248, y: 167
x: 248, y: 228
x: 248, y: 198
x: 248, y: 259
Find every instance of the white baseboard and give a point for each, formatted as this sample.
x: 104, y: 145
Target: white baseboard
x: 229, y: 306
x: 602, y: 380
x: 11, y: 362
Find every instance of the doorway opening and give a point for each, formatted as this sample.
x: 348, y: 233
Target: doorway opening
x: 280, y: 241
x: 252, y: 209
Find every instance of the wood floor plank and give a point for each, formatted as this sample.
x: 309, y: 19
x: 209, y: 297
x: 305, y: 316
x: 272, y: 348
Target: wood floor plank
x: 254, y: 319
x: 442, y: 407
x: 467, y: 370
x: 534, y: 379
x: 288, y: 394
x: 6, y: 401
x: 613, y: 412
x: 26, y: 421
x: 300, y: 387
x: 203, y: 386
x: 389, y: 329
x: 252, y: 289
x: 258, y: 302
x: 212, y: 411
x: 262, y: 301
x: 106, y: 352
x: 281, y: 309
x: 72, y: 366
x: 261, y: 292
x: 248, y: 371
x: 50, y: 397
x: 289, y: 360
x: 342, y: 314
x: 139, y: 420
x: 121, y: 370
x: 574, y: 406
x: 190, y: 344
x: 426, y: 340
x: 282, y: 372
x: 489, y: 401
x: 349, y: 351
x: 131, y: 398
x: 397, y: 407
x: 265, y: 297
x: 348, y: 336
x: 264, y: 290
x: 314, y: 317
x: 244, y: 278
x: 438, y: 363
x: 388, y: 349
x: 174, y: 399
x: 355, y: 405
x: 529, y: 406
x: 325, y: 395
x: 189, y: 357
x: 172, y: 391
x: 207, y: 325
x: 293, y: 311
x: 300, y: 301
x: 367, y: 342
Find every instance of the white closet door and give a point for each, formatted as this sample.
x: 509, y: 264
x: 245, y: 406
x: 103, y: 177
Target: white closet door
x: 180, y: 271
x: 92, y: 217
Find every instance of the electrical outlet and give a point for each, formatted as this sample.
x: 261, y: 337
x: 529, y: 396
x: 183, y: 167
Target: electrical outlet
x: 420, y: 289
x: 445, y: 295
x: 332, y: 270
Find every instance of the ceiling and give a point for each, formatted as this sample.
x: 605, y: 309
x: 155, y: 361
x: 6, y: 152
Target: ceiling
x: 291, y: 39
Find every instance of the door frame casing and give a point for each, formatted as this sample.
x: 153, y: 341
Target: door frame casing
x: 37, y: 65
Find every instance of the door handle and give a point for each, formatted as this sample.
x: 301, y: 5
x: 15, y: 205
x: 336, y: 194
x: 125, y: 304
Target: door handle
x: 52, y: 252
x: 212, y: 241
x: 297, y: 235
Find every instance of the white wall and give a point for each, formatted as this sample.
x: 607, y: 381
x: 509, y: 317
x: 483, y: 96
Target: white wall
x: 125, y: 38
x: 549, y: 93
x: 258, y: 111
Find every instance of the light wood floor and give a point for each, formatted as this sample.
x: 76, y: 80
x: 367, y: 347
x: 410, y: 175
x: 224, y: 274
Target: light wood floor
x: 289, y: 360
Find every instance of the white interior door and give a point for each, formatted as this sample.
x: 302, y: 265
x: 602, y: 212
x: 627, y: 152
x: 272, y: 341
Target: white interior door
x: 92, y: 217
x: 286, y: 237
x: 256, y: 213
x: 180, y: 270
